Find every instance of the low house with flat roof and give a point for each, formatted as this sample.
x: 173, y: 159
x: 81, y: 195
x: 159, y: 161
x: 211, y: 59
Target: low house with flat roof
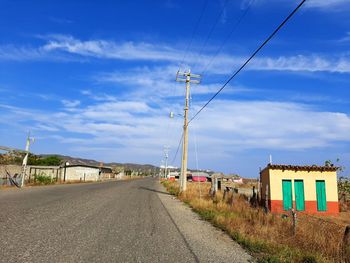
x: 309, y: 189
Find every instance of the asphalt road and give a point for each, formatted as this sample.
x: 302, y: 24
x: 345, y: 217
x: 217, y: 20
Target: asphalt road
x: 119, y: 221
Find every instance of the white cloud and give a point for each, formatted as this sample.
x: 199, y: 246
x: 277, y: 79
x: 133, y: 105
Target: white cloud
x: 68, y: 48
x: 272, y: 125
x: 345, y: 39
x: 327, y: 3
x: 225, y: 125
x: 11, y: 52
x: 71, y: 103
x: 110, y: 49
x: 312, y: 63
x: 159, y: 82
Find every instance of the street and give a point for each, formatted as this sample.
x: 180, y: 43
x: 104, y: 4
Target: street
x: 119, y: 221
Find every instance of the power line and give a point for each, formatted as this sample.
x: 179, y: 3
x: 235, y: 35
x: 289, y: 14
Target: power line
x: 240, y: 19
x: 249, y: 59
x: 212, y: 30
x: 194, y: 32
x: 177, y: 150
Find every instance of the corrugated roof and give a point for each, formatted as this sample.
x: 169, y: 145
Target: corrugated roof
x: 302, y: 167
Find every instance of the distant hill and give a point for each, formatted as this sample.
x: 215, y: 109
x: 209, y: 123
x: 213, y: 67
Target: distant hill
x: 126, y: 166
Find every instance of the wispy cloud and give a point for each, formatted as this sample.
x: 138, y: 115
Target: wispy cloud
x: 12, y: 52
x: 70, y: 103
x: 345, y: 39
x: 313, y: 63
x: 111, y: 49
x: 159, y: 82
x: 327, y: 4
x: 68, y: 48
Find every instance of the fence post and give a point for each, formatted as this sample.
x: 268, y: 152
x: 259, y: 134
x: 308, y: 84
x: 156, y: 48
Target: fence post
x: 223, y: 197
x: 232, y: 199
x: 346, y: 245
x: 215, y: 186
x: 253, y: 199
x: 294, y: 220
x: 267, y: 198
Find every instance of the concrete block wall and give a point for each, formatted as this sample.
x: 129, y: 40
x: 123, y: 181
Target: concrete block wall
x: 82, y: 173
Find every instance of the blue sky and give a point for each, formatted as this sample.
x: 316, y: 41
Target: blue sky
x: 96, y: 79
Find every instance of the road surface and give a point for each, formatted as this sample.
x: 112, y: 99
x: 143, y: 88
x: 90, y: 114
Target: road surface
x: 119, y: 221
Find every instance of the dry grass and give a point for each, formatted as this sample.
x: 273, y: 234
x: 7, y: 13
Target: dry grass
x: 269, y: 237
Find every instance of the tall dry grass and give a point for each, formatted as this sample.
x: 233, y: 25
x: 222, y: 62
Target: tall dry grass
x: 270, y: 237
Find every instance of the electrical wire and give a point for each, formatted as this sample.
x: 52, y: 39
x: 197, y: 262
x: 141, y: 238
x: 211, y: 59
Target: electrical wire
x: 177, y: 150
x: 248, y: 60
x: 196, y: 150
x: 199, y: 55
x: 186, y: 51
x: 240, y: 19
x: 194, y: 33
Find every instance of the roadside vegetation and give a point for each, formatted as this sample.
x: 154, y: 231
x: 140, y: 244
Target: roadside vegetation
x: 344, y: 193
x: 268, y: 237
x: 43, y: 180
x: 16, y: 158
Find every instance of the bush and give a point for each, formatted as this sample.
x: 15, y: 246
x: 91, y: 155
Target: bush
x: 43, y: 179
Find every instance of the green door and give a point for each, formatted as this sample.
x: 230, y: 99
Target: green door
x: 299, y: 195
x: 321, y: 196
x: 287, y: 194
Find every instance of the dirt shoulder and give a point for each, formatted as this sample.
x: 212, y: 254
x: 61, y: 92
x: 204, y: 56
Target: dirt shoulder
x: 208, y: 243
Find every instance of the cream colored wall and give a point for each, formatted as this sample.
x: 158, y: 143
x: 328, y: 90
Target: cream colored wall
x: 77, y: 173
x: 309, y: 178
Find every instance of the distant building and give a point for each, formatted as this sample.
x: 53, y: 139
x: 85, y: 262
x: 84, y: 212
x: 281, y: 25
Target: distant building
x: 238, y: 180
x: 80, y: 172
x: 172, y: 176
x: 309, y: 189
x: 200, y: 176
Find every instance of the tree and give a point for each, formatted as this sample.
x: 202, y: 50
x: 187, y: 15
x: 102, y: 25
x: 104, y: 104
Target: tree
x: 45, y: 161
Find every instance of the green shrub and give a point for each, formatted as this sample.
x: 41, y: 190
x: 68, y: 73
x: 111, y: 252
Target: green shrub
x: 43, y: 179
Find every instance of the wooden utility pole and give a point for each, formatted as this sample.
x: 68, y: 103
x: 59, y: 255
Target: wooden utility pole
x: 185, y: 77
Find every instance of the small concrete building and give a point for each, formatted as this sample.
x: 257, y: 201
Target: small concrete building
x: 81, y: 172
x: 309, y: 189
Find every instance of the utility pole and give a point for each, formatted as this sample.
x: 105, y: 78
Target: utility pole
x: 160, y: 169
x: 25, y: 160
x: 166, y: 155
x: 186, y: 77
